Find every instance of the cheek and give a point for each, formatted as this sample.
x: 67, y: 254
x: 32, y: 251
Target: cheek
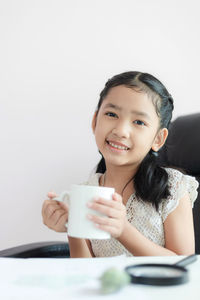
x: 101, y: 128
x: 99, y: 136
x: 144, y: 139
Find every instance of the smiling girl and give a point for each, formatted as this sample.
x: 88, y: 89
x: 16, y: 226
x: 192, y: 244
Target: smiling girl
x: 151, y: 210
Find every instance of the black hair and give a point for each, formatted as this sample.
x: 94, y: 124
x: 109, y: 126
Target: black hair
x: 150, y: 180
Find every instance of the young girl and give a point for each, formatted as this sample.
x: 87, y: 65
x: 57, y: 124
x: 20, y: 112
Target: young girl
x: 151, y: 210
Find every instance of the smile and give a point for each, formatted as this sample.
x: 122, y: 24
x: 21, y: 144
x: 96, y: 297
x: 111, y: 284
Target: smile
x: 120, y: 147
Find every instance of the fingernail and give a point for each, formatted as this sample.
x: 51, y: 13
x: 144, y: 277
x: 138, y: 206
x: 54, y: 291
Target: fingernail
x: 89, y: 204
x: 89, y: 217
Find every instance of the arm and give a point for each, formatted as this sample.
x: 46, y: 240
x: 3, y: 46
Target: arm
x: 179, y: 228
x: 80, y: 248
x: 179, y: 233
x: 139, y: 245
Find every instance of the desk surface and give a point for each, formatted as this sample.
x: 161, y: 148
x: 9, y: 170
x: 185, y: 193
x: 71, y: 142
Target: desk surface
x: 78, y: 279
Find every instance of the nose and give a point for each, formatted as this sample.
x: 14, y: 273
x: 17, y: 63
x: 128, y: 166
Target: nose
x: 121, y: 129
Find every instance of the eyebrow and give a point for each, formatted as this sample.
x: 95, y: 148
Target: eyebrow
x: 135, y: 112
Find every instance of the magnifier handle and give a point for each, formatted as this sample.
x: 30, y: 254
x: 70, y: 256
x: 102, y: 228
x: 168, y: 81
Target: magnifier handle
x: 186, y: 261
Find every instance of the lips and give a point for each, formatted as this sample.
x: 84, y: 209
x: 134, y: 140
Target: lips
x: 117, y: 145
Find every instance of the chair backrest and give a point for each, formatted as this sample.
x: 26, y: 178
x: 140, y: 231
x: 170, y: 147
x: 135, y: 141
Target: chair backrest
x: 182, y: 150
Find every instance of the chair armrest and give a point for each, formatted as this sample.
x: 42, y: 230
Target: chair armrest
x: 54, y: 249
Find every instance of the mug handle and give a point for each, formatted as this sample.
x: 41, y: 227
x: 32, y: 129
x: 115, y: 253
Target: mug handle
x: 64, y: 197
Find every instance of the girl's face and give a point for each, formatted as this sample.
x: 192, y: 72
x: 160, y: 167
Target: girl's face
x: 127, y: 127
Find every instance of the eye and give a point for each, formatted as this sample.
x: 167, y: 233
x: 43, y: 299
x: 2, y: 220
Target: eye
x: 111, y: 114
x: 139, y: 122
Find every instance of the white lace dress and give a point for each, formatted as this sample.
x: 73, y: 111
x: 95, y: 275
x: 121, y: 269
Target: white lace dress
x: 144, y: 216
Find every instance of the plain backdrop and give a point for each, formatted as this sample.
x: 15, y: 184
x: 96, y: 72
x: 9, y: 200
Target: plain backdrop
x: 55, y: 57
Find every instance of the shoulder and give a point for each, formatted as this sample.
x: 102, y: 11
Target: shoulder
x: 179, y: 185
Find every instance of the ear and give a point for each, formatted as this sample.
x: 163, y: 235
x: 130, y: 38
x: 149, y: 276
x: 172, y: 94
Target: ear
x: 160, y: 139
x: 94, y: 120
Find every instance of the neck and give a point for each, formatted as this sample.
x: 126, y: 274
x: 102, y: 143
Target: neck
x: 118, y: 177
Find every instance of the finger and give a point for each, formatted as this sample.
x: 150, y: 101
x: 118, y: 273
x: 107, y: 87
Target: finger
x: 105, y: 202
x: 45, y: 207
x: 49, y: 208
x: 60, y: 218
x: 60, y: 223
x: 53, y: 220
x: 63, y: 205
x: 110, y: 229
x: 51, y: 195
x: 117, y: 197
x: 105, y: 210
x: 103, y: 220
x: 107, y: 225
x: 56, y: 216
x: 48, y: 203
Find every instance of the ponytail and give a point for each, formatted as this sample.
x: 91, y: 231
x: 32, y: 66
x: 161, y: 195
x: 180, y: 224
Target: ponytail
x: 101, y: 167
x: 151, y: 180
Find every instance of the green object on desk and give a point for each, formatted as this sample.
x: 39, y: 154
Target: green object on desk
x: 113, y: 279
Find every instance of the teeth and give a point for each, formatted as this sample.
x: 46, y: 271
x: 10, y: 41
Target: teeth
x: 118, y: 147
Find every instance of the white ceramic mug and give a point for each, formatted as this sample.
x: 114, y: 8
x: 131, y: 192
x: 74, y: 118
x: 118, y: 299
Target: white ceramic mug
x: 77, y: 198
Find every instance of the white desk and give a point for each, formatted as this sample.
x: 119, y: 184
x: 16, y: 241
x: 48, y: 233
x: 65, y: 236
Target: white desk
x: 78, y: 279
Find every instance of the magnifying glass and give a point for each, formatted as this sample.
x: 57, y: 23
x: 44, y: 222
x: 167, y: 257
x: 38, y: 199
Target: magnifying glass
x: 161, y: 274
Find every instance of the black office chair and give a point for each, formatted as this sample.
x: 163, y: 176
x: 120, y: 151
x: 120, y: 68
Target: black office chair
x: 182, y: 150
x: 53, y: 249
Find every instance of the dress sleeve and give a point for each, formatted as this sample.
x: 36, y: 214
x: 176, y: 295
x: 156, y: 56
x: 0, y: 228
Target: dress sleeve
x: 92, y: 180
x: 179, y: 185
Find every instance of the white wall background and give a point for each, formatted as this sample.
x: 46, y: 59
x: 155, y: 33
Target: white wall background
x: 55, y: 57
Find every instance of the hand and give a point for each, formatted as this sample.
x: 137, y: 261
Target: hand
x: 115, y: 214
x: 55, y: 213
